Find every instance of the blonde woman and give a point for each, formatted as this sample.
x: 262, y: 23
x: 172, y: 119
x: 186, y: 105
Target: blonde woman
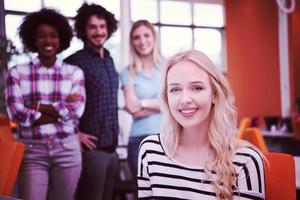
x: 141, y: 85
x: 197, y: 155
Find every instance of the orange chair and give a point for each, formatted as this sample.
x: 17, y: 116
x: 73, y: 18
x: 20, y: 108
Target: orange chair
x: 245, y: 123
x: 11, y: 155
x: 254, y: 136
x: 5, y: 129
x: 280, y: 176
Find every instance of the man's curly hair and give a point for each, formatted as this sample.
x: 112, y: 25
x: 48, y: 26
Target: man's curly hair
x: 86, y: 11
x: 32, y: 21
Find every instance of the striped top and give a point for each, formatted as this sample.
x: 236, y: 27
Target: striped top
x: 161, y: 177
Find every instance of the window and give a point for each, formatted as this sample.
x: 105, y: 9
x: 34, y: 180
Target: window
x: 175, y: 39
x: 175, y: 12
x: 15, y: 12
x: 31, y: 5
x: 141, y: 9
x: 181, y: 25
x: 186, y: 24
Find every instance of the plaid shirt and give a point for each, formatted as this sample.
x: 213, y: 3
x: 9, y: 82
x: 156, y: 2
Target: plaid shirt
x: 100, y: 117
x: 33, y: 82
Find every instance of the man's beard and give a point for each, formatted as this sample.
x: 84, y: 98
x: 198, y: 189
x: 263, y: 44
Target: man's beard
x: 96, y: 37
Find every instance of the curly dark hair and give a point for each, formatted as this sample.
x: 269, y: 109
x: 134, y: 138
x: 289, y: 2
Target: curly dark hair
x: 32, y: 21
x: 86, y: 11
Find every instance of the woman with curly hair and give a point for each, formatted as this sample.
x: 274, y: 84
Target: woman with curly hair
x: 46, y: 98
x: 197, y: 155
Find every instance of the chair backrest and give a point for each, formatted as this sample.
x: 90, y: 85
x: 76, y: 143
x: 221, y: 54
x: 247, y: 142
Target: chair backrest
x: 5, y: 129
x: 254, y: 136
x: 11, y: 155
x: 245, y: 123
x: 280, y: 176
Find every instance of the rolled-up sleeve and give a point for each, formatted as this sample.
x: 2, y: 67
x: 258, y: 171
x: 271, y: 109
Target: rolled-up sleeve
x: 14, y: 101
x: 73, y: 111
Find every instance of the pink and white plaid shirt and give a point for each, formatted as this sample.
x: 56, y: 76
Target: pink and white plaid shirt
x: 32, y: 82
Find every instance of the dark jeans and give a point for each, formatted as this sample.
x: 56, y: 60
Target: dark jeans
x: 133, y: 152
x: 98, y: 177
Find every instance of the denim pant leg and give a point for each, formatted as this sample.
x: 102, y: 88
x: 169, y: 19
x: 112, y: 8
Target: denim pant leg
x: 66, y: 169
x: 133, y: 152
x: 50, y: 170
x: 99, y: 173
x: 33, y: 176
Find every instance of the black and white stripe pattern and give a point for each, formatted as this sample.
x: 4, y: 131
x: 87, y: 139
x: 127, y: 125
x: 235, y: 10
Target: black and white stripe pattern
x: 160, y: 177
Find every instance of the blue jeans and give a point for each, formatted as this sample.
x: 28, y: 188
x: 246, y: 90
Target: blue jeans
x: 50, y: 169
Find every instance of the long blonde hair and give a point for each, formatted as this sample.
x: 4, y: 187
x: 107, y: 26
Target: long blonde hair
x: 222, y: 128
x: 135, y: 63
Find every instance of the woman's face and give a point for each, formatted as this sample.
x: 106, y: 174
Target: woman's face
x: 47, y: 41
x: 190, y: 95
x: 143, y: 40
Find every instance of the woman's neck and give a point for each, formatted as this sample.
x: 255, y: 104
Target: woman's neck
x: 194, y: 147
x: 193, y: 138
x: 147, y: 61
x: 47, y: 61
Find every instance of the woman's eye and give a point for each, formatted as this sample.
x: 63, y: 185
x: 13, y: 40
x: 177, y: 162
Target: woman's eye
x: 198, y: 88
x: 174, y: 90
x: 135, y: 38
x: 40, y: 36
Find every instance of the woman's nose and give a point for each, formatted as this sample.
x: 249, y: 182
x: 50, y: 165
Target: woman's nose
x: 186, y: 97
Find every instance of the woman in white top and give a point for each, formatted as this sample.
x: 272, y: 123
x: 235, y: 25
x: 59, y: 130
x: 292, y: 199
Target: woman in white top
x: 197, y: 155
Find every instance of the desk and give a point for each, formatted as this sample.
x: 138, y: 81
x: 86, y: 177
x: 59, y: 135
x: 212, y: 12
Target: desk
x: 2, y: 197
x: 277, y: 134
x: 282, y: 142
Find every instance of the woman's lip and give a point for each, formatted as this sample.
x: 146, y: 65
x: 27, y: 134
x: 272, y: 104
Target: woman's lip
x: 188, y: 112
x: 49, y: 48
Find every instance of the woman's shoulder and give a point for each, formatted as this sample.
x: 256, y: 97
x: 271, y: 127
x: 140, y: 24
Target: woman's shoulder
x: 125, y: 70
x: 151, y: 139
x: 151, y: 142
x: 21, y: 68
x: 67, y: 68
x: 124, y: 73
x: 248, y: 154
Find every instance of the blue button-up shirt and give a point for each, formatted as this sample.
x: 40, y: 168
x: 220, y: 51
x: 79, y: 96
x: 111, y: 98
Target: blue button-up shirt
x: 100, y: 117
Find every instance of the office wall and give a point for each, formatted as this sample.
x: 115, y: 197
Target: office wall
x: 253, y: 57
x: 295, y: 53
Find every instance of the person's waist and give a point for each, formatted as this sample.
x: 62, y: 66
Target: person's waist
x: 46, y: 132
x: 109, y: 149
x: 50, y: 140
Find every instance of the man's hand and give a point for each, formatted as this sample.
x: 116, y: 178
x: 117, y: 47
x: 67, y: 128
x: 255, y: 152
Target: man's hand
x: 87, y: 140
x: 73, y: 98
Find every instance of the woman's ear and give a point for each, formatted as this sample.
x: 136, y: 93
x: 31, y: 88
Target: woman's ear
x: 213, y: 99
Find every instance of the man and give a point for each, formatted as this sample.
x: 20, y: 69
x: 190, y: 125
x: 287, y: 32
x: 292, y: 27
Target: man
x: 99, y: 124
